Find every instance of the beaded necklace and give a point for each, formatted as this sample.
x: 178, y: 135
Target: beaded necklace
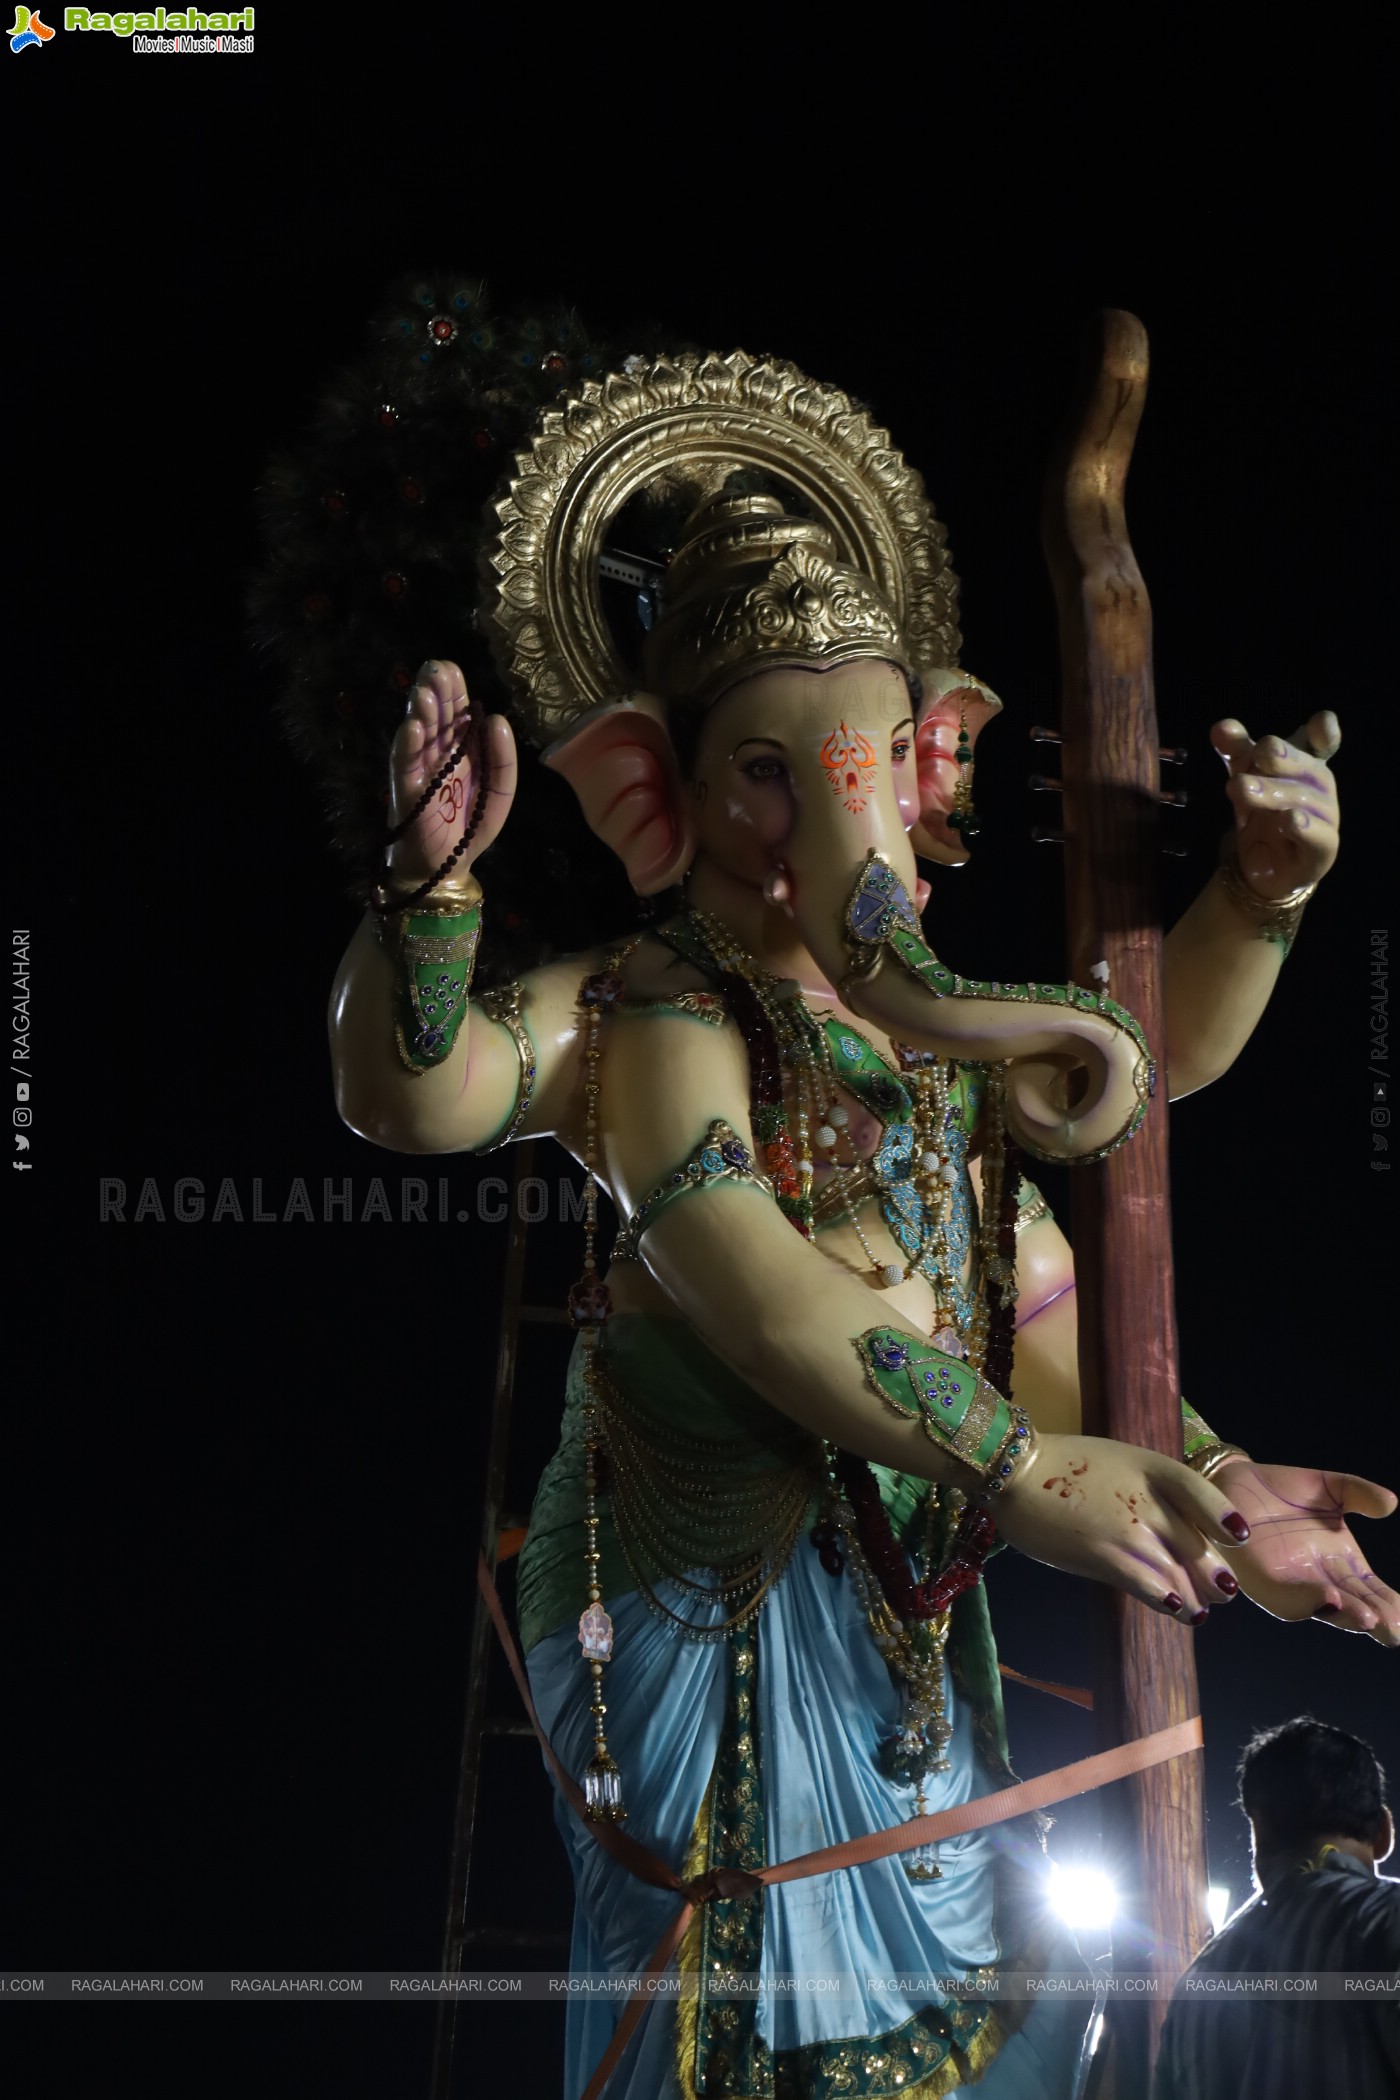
x: 590, y: 1304
x: 919, y: 1163
x: 909, y: 1622
x: 909, y: 1619
x: 656, y: 1483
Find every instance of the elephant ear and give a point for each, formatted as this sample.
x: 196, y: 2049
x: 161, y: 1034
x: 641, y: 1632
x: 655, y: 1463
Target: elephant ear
x: 621, y: 764
x: 948, y: 697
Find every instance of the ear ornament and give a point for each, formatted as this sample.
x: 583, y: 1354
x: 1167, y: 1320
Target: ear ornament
x: 962, y: 817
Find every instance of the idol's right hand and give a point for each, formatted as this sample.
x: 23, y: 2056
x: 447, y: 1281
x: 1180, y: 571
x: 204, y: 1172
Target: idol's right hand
x: 1126, y: 1516
x: 437, y: 716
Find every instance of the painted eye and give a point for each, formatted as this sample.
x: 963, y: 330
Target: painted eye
x: 899, y: 750
x: 765, y: 769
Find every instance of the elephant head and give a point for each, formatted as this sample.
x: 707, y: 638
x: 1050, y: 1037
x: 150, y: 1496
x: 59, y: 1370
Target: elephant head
x: 769, y: 775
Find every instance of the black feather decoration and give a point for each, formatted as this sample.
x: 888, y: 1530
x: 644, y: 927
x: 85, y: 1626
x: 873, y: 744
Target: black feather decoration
x: 372, y: 528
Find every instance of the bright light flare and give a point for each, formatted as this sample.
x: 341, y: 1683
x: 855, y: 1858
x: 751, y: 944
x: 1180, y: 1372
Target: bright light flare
x: 1084, y: 1897
x: 1217, y: 1906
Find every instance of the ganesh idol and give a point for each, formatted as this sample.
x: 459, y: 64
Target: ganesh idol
x: 831, y: 1361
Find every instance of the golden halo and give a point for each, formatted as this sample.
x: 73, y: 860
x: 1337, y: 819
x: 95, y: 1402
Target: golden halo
x: 542, y: 604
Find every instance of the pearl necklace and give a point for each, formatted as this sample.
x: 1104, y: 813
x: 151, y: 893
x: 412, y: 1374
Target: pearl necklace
x: 805, y: 1053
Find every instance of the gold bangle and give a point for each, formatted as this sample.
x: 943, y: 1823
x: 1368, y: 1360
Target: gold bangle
x: 1209, y: 1461
x: 1278, y: 918
x: 448, y: 900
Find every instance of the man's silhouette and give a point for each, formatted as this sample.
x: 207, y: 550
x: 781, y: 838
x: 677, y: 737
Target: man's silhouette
x: 1315, y: 1799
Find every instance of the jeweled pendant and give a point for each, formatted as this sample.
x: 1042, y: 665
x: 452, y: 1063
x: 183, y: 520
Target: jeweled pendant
x: 903, y: 1756
x: 590, y: 1301
x: 602, y: 1791
x: 595, y: 1633
x: 922, y: 1863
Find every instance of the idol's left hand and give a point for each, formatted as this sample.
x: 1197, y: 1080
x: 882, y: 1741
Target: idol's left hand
x: 1301, y: 1561
x: 1285, y: 802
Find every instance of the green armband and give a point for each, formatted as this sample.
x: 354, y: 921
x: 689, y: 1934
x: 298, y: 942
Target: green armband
x: 1202, y: 1449
x: 1196, y: 1433
x: 958, y: 1410
x: 721, y: 1155
x: 435, y: 955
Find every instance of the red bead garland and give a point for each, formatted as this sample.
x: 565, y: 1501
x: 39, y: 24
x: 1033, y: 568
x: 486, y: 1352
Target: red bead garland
x: 976, y: 1532
x: 766, y: 1099
x: 1001, y: 1304
x: 972, y: 1542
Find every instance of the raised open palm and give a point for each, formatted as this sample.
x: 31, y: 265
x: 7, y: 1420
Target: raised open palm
x: 436, y: 718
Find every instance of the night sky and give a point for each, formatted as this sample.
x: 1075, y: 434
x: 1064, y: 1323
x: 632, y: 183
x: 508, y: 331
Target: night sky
x: 245, y: 1461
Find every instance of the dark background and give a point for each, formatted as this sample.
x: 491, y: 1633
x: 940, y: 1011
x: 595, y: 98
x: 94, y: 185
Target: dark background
x: 246, y: 1461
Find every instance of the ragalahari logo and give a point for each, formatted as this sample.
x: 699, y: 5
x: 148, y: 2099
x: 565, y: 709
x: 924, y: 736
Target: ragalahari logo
x: 28, y: 30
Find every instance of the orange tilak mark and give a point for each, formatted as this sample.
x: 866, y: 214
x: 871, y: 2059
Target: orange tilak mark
x: 849, y: 759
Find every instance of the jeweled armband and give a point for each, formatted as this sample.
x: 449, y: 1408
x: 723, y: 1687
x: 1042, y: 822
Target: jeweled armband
x: 721, y: 1155
x: 1204, y: 1452
x: 958, y: 1410
x: 434, y: 953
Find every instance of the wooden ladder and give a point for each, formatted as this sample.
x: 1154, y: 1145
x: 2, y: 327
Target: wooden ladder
x: 500, y: 1539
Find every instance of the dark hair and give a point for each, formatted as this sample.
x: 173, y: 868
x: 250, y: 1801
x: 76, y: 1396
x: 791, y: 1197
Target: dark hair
x: 1306, y: 1779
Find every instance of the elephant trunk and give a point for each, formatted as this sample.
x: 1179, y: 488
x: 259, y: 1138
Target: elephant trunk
x: 1079, y: 1073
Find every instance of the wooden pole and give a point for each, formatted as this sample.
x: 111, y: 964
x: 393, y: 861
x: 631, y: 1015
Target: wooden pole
x: 1145, y: 1665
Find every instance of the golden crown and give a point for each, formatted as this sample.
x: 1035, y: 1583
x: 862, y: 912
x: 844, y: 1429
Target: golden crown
x: 753, y: 588
x: 864, y: 571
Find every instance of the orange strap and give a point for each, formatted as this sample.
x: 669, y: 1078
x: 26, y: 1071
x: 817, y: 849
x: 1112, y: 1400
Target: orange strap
x: 1079, y: 1778
x: 1075, y: 1693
